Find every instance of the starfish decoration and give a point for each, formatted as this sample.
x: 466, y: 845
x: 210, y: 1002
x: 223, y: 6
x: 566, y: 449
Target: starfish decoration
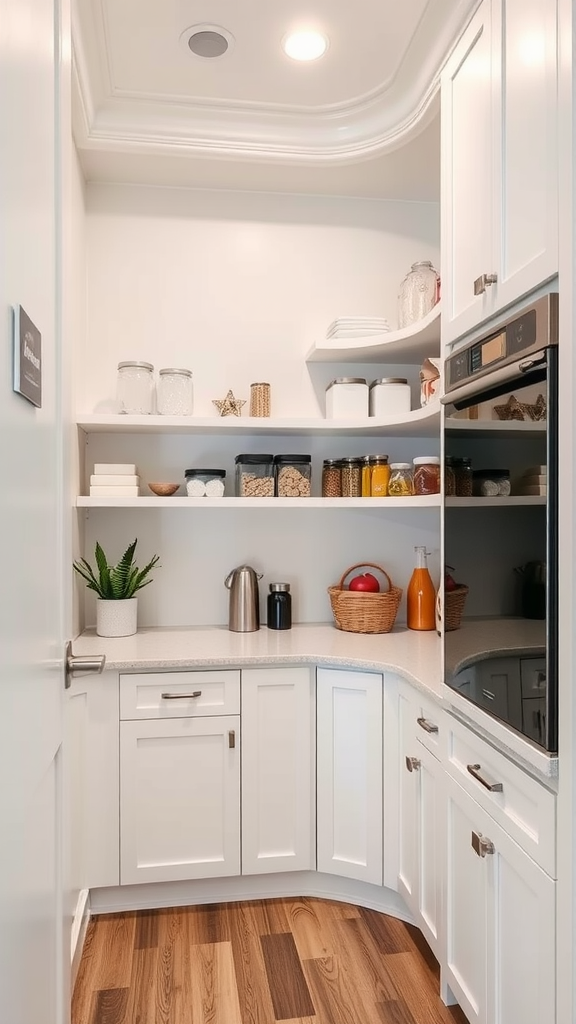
x: 229, y: 406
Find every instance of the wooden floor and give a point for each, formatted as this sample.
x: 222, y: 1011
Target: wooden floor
x: 300, y: 961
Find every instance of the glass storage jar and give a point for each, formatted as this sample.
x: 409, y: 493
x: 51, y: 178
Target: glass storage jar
x: 449, y: 478
x: 380, y: 476
x: 254, y: 476
x: 367, y: 476
x: 426, y: 476
x: 400, y: 483
x: 463, y: 477
x: 351, y: 478
x: 293, y: 476
x: 418, y: 293
x: 331, y: 478
x: 135, y: 387
x: 174, y: 395
x: 205, y: 483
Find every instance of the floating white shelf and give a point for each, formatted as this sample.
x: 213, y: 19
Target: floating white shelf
x: 409, y: 345
x: 514, y: 499
x: 488, y: 428
x: 430, y: 501
x: 418, y: 423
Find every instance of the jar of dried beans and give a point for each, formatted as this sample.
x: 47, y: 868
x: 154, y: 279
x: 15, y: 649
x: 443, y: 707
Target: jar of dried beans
x: 331, y: 478
x: 427, y: 475
x: 351, y: 478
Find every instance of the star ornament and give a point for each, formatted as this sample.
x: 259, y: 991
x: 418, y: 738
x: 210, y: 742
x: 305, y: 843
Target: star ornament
x: 229, y: 406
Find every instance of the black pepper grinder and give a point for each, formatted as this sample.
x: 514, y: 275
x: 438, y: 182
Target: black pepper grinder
x: 279, y: 606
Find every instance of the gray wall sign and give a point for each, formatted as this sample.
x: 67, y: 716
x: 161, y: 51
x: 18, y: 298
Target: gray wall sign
x: 27, y: 358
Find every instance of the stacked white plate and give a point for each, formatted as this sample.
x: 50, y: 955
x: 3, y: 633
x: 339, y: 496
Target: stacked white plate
x: 534, y: 482
x: 357, y: 327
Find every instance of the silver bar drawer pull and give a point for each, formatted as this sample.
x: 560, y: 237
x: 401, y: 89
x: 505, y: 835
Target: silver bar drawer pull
x: 412, y: 764
x: 481, y: 845
x: 232, y: 739
x: 426, y: 725
x: 494, y: 787
x: 181, y: 696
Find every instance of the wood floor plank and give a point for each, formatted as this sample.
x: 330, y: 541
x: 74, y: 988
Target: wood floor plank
x: 109, y: 1006
x: 141, y: 1007
x: 388, y: 933
x: 82, y: 996
x: 146, y: 932
x: 206, y: 925
x: 361, y: 960
x: 395, y: 1012
x: 334, y: 998
x: 411, y: 977
x: 310, y: 923
x: 244, y: 924
x: 286, y: 981
x: 113, y: 948
x: 214, y: 992
x: 276, y: 916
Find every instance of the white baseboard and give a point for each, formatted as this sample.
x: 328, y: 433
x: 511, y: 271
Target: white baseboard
x: 78, y: 934
x: 154, y: 895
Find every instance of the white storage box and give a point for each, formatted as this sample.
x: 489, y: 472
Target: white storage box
x: 389, y: 398
x: 347, y: 399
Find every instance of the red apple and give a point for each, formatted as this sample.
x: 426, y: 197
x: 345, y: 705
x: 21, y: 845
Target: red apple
x: 450, y: 582
x: 366, y: 582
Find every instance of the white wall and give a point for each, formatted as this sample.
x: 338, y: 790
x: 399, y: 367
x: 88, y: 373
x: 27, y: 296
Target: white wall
x: 237, y: 287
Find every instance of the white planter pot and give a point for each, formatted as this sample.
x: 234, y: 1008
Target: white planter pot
x: 116, y: 618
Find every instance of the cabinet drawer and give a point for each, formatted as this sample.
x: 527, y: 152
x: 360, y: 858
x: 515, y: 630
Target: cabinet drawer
x: 524, y: 807
x: 428, y: 723
x: 179, y: 694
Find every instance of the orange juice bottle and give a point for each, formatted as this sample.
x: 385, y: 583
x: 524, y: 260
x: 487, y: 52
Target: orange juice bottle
x: 421, y: 595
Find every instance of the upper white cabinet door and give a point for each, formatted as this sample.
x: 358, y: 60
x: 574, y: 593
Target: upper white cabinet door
x: 499, y: 162
x: 525, y: 216
x: 179, y: 799
x: 349, y: 774
x: 278, y: 776
x: 467, y: 176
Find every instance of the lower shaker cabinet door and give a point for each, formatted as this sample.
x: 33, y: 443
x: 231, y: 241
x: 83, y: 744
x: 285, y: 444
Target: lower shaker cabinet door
x: 278, y: 776
x: 349, y: 774
x: 179, y: 799
x: 500, y: 921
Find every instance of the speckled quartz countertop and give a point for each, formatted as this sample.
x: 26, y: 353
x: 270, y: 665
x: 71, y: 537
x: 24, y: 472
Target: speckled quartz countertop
x: 415, y: 656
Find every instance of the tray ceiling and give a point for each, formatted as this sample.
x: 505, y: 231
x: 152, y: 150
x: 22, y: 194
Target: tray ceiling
x: 141, y: 93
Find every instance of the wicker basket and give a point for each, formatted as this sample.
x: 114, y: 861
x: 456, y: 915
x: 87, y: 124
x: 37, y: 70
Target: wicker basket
x: 454, y: 601
x: 360, y: 612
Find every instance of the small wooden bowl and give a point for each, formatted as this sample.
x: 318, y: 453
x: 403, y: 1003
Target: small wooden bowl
x: 164, y: 490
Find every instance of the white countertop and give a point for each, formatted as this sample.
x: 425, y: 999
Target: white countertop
x: 413, y: 655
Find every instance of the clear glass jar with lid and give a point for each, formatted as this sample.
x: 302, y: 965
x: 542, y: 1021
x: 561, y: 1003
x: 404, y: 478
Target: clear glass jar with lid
x: 135, y: 387
x: 419, y: 293
x: 174, y: 396
x: 400, y: 484
x: 380, y: 476
x: 351, y: 471
x: 426, y: 474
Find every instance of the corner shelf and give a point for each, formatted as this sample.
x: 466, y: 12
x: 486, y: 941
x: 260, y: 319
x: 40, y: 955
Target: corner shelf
x: 490, y: 428
x: 513, y: 500
x: 302, y: 504
x: 408, y: 345
x: 418, y: 423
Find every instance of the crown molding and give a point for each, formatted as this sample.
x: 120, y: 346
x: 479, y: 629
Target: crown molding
x: 356, y: 130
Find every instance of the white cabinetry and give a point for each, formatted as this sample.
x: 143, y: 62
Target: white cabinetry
x: 278, y: 770
x: 499, y: 160
x: 349, y: 774
x: 421, y: 821
x: 500, y: 906
x: 180, y: 778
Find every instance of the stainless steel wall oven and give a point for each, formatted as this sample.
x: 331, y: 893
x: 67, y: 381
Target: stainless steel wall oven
x: 500, y: 511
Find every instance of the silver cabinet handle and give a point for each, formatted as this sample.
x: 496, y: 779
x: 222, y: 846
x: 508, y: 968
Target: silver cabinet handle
x: 413, y: 764
x: 181, y: 696
x: 494, y: 787
x: 426, y: 725
x: 488, y: 694
x: 81, y: 666
x: 481, y: 845
x: 483, y: 282
x: 232, y: 739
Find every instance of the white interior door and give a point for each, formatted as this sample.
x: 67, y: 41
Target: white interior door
x: 32, y: 960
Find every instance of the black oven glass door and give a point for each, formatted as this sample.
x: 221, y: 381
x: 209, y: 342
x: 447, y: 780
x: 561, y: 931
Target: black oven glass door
x: 500, y: 541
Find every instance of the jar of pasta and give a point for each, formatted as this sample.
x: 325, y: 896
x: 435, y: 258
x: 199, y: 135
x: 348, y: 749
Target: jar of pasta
x: 427, y: 475
x: 380, y: 476
x: 400, y: 483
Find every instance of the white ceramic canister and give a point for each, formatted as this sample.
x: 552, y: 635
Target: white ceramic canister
x: 347, y: 399
x: 135, y: 387
x: 174, y: 393
x: 389, y: 397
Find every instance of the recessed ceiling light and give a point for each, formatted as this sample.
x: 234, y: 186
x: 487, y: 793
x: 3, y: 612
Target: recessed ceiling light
x: 305, y: 45
x: 208, y: 42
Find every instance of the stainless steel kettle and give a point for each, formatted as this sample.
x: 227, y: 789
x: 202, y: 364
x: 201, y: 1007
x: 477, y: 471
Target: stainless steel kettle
x: 244, y: 614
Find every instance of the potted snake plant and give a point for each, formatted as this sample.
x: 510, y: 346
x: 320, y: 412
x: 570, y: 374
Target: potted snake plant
x: 116, y: 587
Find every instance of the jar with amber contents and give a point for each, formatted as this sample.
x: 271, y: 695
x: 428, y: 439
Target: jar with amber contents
x: 380, y: 476
x: 367, y: 476
x: 427, y: 475
x: 400, y: 482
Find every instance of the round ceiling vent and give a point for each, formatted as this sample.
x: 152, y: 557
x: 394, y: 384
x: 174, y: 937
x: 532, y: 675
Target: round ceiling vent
x: 207, y: 42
